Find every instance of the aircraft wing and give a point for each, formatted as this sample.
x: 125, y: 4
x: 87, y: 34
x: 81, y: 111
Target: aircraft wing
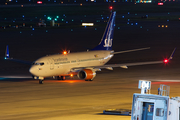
x: 111, y: 66
x: 124, y: 65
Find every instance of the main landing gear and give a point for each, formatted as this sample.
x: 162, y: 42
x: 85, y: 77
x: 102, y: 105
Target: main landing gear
x: 89, y: 80
x: 61, y: 77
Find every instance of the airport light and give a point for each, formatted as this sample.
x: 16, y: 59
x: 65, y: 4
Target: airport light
x: 160, y: 3
x: 39, y: 2
x: 110, y: 7
x: 87, y: 24
x: 49, y: 18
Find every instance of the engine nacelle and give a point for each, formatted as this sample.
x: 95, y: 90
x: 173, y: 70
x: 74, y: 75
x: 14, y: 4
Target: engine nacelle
x: 86, y: 74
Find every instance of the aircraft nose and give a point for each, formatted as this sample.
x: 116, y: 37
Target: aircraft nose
x: 32, y: 70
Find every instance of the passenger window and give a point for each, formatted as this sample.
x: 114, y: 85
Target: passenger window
x: 159, y: 112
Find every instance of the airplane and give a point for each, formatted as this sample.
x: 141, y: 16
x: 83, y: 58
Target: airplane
x: 83, y: 64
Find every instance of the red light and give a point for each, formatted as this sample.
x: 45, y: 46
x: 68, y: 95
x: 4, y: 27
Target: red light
x: 39, y: 2
x: 166, y: 61
x: 160, y: 3
x: 110, y: 7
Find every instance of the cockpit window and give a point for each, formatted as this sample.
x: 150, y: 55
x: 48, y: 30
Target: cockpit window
x: 41, y: 63
x: 37, y: 63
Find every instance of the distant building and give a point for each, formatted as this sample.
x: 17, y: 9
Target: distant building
x: 82, y: 1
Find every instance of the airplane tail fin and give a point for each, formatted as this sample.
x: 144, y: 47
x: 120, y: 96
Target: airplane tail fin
x: 7, y: 57
x: 107, y: 38
x: 7, y: 53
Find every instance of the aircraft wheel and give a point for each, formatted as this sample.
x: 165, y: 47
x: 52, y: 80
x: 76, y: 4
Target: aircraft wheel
x: 58, y: 78
x: 89, y: 80
x: 63, y: 77
x: 41, y: 81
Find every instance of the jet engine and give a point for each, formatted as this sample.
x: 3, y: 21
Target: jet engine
x: 86, y: 74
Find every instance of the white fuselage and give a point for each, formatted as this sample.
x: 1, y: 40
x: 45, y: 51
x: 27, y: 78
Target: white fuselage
x: 60, y: 64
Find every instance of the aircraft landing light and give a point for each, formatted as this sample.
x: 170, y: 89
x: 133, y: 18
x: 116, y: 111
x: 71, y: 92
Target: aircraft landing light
x: 64, y: 52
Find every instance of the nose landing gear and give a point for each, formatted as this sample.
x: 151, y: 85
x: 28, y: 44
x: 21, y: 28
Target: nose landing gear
x: 41, y: 81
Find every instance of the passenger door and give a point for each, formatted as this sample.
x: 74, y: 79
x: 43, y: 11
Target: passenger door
x: 51, y: 61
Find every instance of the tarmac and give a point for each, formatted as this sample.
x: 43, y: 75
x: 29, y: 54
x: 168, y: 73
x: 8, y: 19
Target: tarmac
x: 25, y: 99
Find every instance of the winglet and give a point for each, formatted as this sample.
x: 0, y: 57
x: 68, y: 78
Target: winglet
x: 171, y: 56
x: 7, y: 53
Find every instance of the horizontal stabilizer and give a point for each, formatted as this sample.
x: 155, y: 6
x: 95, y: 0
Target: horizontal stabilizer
x: 130, y: 50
